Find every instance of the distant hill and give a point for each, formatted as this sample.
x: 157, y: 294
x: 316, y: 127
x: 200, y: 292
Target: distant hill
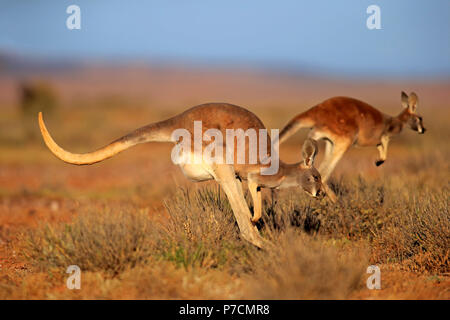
x: 176, y: 85
x: 14, y: 64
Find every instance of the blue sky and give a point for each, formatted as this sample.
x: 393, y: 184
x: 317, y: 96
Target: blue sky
x: 317, y: 36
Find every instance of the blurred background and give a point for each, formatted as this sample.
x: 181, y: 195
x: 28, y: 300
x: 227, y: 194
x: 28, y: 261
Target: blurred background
x: 136, y: 62
x: 256, y: 53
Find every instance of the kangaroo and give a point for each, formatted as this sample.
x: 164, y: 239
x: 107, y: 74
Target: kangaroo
x: 343, y: 122
x: 220, y: 116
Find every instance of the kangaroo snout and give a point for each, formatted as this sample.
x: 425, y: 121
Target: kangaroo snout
x: 320, y: 193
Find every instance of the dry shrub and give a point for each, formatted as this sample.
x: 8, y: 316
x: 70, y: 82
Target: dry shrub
x: 109, y: 241
x: 160, y: 280
x: 359, y: 213
x: 305, y: 267
x: 194, y: 250
x: 399, y: 225
x: 31, y: 286
x: 201, y: 231
x: 163, y: 280
x: 418, y: 234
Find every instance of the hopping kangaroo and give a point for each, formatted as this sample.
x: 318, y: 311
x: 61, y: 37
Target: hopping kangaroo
x: 218, y: 116
x: 343, y: 122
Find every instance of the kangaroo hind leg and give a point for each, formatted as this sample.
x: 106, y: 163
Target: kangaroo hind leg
x: 330, y: 161
x: 225, y: 176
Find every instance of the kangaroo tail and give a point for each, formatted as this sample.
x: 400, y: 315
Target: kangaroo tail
x: 159, y: 131
x: 293, y: 126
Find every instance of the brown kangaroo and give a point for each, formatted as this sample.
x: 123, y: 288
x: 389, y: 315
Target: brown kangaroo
x: 219, y: 116
x: 343, y: 122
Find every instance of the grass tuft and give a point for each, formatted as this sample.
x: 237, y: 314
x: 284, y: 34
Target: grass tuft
x: 108, y: 241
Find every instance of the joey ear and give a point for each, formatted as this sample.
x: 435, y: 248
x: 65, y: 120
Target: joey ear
x: 413, y: 100
x: 309, y: 152
x: 404, y: 100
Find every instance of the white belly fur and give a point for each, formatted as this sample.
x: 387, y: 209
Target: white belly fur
x: 193, y: 171
x: 196, y: 172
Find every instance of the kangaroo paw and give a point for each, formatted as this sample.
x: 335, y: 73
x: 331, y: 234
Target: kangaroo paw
x: 254, y: 220
x: 379, y: 162
x: 257, y: 241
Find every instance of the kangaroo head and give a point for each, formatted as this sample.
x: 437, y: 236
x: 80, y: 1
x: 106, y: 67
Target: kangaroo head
x: 410, y: 104
x: 308, y: 177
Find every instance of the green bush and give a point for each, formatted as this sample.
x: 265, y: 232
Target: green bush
x: 34, y: 97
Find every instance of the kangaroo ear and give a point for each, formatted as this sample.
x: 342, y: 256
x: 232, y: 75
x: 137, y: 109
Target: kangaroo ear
x: 413, y: 100
x: 309, y: 152
x: 404, y: 100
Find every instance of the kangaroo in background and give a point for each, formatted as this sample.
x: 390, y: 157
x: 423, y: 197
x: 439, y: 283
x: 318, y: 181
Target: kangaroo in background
x: 220, y: 116
x: 343, y: 122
